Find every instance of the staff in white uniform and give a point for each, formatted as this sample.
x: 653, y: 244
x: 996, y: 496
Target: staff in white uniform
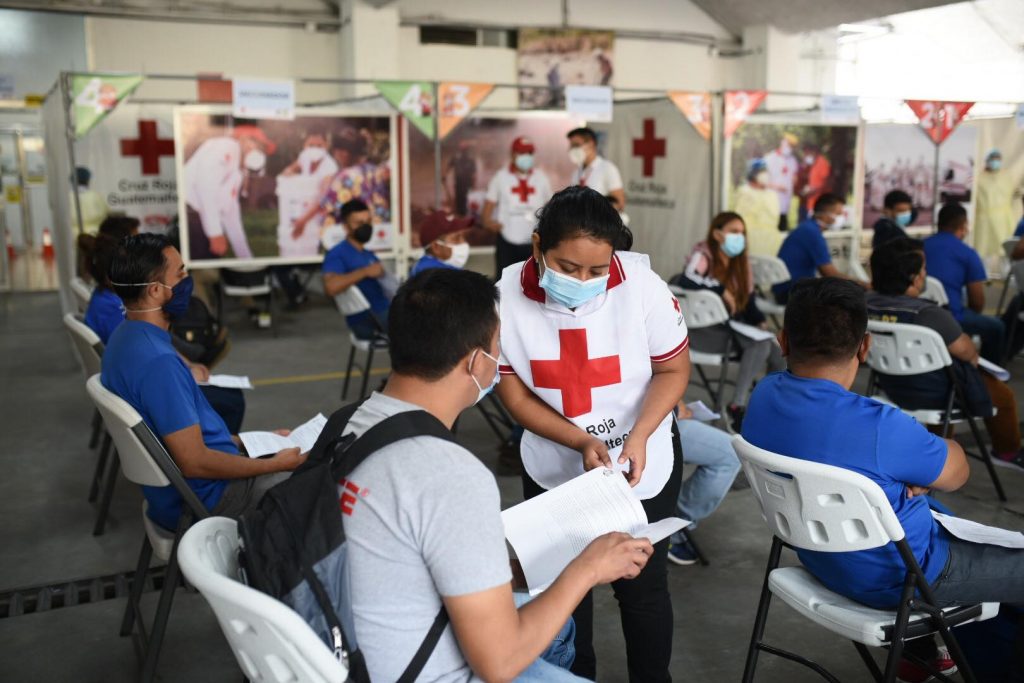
x: 298, y: 190
x: 593, y: 170
x: 516, y: 193
x: 594, y: 356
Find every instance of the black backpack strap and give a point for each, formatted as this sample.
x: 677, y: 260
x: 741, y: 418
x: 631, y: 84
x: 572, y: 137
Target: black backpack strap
x: 333, y: 430
x: 419, y: 660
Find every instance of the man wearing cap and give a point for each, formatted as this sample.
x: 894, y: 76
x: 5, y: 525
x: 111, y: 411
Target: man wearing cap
x: 514, y: 195
x: 759, y: 207
x: 443, y: 236
x: 215, y: 179
x: 782, y: 167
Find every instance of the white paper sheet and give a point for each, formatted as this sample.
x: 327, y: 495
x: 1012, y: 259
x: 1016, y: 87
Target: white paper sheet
x: 701, y: 412
x: 966, y: 530
x: 304, y: 436
x: 229, y: 381
x: 751, y: 332
x: 1002, y: 374
x: 549, y: 531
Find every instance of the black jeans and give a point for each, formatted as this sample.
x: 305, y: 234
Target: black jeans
x: 506, y: 253
x: 228, y: 403
x: 645, y: 605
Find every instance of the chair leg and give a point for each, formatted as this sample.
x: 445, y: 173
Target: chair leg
x: 869, y: 661
x: 707, y: 385
x: 892, y: 662
x: 366, y: 373
x: 348, y: 372
x: 762, y: 613
x: 983, y: 452
x: 163, y: 613
x: 97, y: 426
x: 108, y: 493
x: 1002, y: 296
x: 101, y: 463
x: 696, y: 548
x: 131, y: 611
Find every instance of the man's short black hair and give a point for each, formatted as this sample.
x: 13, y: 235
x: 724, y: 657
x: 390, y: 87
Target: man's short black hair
x: 895, y: 264
x: 586, y: 133
x: 139, y: 259
x: 951, y: 215
x: 437, y: 318
x: 828, y: 201
x: 826, y: 319
x: 350, y: 207
x: 897, y: 197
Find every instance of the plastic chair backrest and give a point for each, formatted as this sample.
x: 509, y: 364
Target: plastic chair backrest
x: 768, y: 270
x: 352, y: 301
x: 1009, y: 246
x: 817, y: 507
x: 935, y: 291
x: 1017, y: 271
x: 270, y: 641
x: 700, y: 307
x: 88, y: 347
x: 82, y: 292
x: 900, y: 349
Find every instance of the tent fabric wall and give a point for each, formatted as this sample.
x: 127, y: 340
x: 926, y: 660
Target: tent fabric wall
x: 58, y: 171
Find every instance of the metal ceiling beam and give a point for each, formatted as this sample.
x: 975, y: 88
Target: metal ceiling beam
x: 226, y: 13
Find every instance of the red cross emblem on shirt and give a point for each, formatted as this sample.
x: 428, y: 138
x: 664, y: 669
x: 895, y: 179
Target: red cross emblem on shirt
x: 523, y: 190
x: 649, y: 147
x: 675, y: 303
x: 575, y: 374
x: 149, y: 147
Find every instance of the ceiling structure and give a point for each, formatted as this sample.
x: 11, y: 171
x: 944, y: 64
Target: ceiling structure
x: 793, y: 16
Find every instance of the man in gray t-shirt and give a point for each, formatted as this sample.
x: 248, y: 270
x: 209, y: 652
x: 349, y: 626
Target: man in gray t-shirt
x: 422, y: 516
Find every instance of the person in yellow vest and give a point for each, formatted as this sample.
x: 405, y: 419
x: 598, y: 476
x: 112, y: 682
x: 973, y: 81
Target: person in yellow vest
x: 91, y: 203
x: 993, y: 221
x: 759, y: 207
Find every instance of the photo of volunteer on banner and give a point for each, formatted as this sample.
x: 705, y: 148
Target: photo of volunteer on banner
x: 271, y: 190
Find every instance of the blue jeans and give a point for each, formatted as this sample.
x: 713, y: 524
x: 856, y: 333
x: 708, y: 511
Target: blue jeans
x: 978, y: 572
x: 553, y: 664
x: 991, y: 330
x: 717, y: 465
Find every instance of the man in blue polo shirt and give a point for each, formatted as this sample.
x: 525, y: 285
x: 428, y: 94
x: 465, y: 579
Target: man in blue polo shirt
x: 810, y: 413
x: 141, y: 366
x: 805, y: 251
x: 350, y: 263
x: 959, y: 267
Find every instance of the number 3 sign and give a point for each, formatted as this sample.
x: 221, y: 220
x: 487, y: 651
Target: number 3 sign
x: 939, y: 119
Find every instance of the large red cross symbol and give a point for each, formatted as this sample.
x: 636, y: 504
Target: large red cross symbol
x: 523, y: 190
x: 149, y: 147
x: 649, y: 147
x: 575, y: 374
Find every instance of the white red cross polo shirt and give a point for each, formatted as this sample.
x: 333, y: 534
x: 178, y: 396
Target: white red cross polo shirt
x: 517, y: 197
x: 593, y: 364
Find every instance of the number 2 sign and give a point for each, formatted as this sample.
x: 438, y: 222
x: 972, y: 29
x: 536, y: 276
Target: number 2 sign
x: 939, y: 119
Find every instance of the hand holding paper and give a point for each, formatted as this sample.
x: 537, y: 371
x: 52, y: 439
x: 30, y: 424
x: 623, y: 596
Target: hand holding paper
x: 303, y: 437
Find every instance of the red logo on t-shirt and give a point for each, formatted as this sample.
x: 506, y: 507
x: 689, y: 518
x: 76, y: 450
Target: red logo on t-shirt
x: 348, y: 499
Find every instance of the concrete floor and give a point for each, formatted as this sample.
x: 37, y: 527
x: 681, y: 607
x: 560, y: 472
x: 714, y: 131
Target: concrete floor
x: 45, y: 521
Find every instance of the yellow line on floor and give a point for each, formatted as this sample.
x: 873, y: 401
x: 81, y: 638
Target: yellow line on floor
x: 322, y: 377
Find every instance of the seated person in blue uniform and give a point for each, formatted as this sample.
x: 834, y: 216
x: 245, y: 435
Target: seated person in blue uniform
x: 810, y: 413
x: 897, y: 213
x: 141, y: 366
x: 805, y: 251
x: 958, y: 267
x: 443, y: 237
x: 350, y: 263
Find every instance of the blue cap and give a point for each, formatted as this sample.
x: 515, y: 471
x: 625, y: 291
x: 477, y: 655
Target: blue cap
x: 755, y: 166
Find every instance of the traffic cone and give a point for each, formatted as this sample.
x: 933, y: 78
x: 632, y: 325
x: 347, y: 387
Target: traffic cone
x: 11, y: 253
x: 47, y: 244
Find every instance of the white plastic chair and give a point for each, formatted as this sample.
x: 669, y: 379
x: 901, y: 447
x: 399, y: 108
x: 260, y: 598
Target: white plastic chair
x: 144, y: 461
x: 82, y: 292
x: 935, y: 292
x: 768, y: 271
x: 259, y: 287
x: 702, y: 308
x: 352, y: 301
x: 901, y: 350
x: 270, y: 640
x: 811, y: 506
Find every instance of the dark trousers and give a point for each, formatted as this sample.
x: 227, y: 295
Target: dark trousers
x: 228, y: 403
x: 506, y: 253
x: 198, y: 242
x: 645, y: 605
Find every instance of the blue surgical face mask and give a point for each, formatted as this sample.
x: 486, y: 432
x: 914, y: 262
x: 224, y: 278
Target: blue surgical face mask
x: 994, y: 164
x: 569, y: 291
x: 734, y: 244
x: 181, y: 294
x: 490, y: 387
x: 903, y: 218
x: 524, y: 162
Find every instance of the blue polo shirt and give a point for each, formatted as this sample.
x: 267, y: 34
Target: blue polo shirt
x: 819, y: 421
x: 105, y: 313
x: 141, y: 366
x: 955, y: 265
x: 426, y: 262
x: 1019, y: 232
x: 804, y: 251
x: 344, y: 258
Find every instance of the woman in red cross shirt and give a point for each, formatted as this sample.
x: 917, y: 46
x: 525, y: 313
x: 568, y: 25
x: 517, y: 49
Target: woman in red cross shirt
x: 594, y: 356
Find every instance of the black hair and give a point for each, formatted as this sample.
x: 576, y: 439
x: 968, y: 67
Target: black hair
x: 584, y: 132
x: 437, y: 318
x: 895, y: 264
x: 118, y: 227
x: 138, y: 259
x: 581, y: 211
x: 827, y: 201
x: 82, y: 176
x: 350, y: 141
x: 826, y: 319
x: 350, y: 207
x: 951, y: 215
x: 897, y: 197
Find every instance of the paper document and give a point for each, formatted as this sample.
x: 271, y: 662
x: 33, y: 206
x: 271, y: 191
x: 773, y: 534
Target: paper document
x: 258, y: 444
x: 549, y: 531
x: 701, y: 412
x: 1002, y: 374
x: 229, y: 381
x: 966, y: 530
x: 751, y: 332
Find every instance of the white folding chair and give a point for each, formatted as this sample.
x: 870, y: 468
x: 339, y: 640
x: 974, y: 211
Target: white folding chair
x: 811, y: 506
x: 352, y: 301
x: 934, y: 291
x: 901, y: 350
x: 1011, y: 277
x: 243, y: 281
x: 1017, y: 275
x: 702, y: 308
x: 82, y: 292
x: 146, y: 462
x: 768, y: 271
x: 270, y: 640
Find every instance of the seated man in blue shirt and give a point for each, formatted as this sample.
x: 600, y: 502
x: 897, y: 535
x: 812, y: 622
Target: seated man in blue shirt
x: 141, y: 366
x: 897, y: 212
x: 805, y: 251
x: 444, y: 239
x: 350, y: 263
x: 957, y: 267
x: 810, y: 413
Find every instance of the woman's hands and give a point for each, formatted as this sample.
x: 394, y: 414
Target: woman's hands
x: 595, y: 454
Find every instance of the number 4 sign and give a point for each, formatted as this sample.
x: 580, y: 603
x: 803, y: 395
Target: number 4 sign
x: 939, y: 119
x: 415, y: 101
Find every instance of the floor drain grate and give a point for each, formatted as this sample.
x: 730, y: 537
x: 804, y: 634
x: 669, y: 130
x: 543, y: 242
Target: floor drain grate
x: 31, y: 599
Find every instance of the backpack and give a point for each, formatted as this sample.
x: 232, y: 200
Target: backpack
x: 293, y: 544
x: 197, y: 334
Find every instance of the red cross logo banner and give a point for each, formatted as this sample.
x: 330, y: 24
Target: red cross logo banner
x: 939, y: 119
x: 149, y: 147
x: 739, y: 104
x: 696, y: 107
x: 649, y: 147
x: 575, y: 373
x: 523, y: 189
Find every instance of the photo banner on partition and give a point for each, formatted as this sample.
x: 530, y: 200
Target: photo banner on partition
x: 96, y: 95
x: 739, y: 104
x: 458, y: 100
x: 939, y: 119
x: 413, y: 99
x: 696, y: 107
x: 551, y: 59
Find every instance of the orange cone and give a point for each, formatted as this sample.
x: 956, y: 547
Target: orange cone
x: 47, y: 244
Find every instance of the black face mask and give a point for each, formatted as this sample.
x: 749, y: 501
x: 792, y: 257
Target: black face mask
x: 363, y: 233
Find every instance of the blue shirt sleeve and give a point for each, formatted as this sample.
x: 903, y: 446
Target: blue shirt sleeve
x: 819, y: 249
x: 1019, y: 232
x: 104, y: 314
x: 907, y: 452
x: 975, y: 268
x: 334, y: 262
x: 166, y: 392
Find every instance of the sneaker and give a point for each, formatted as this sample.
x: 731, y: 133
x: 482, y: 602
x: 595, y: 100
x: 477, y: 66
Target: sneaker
x: 682, y: 553
x: 1011, y: 460
x: 908, y: 672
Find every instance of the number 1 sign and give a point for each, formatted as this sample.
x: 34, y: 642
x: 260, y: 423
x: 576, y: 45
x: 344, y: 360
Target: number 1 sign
x: 939, y: 119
